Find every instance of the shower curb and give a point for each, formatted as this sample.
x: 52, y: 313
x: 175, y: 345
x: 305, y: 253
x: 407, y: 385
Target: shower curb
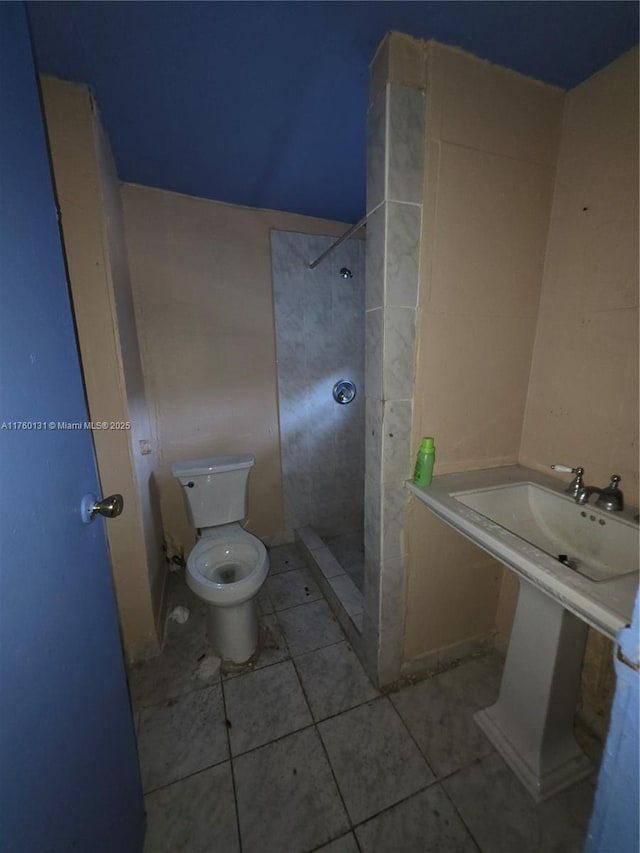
x: 317, y: 555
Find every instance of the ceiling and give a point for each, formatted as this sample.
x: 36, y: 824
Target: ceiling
x: 264, y: 103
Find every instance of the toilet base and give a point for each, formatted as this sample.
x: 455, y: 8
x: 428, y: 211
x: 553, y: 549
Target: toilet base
x: 233, y: 631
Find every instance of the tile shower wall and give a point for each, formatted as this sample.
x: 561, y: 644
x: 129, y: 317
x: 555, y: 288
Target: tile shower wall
x: 319, y: 318
x: 395, y: 148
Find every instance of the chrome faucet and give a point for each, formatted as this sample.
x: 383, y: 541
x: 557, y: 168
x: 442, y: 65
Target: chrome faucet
x: 610, y: 498
x: 577, y: 484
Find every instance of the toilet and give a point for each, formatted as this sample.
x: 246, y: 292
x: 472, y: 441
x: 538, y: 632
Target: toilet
x: 227, y: 565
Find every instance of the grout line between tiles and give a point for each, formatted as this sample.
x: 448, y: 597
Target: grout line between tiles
x: 232, y: 676
x: 320, y: 597
x: 304, y: 728
x: 314, y: 722
x: 326, y: 754
x: 233, y: 772
x: 301, y: 604
x: 326, y: 646
x: 287, y: 734
x: 466, y: 766
x: 176, y: 696
x: 441, y: 780
x: 462, y: 820
x: 415, y: 742
x: 185, y: 777
x: 346, y: 710
x: 409, y: 797
x: 286, y: 571
x: 337, y: 838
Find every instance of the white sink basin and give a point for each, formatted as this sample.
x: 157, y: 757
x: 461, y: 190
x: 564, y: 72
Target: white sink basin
x: 598, y: 545
x: 526, y: 520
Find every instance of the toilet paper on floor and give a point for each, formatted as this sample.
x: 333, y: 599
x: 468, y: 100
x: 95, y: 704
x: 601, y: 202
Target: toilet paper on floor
x: 179, y: 615
x: 208, y: 667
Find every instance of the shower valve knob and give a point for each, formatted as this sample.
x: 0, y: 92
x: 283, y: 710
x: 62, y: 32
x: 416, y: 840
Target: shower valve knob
x: 344, y: 391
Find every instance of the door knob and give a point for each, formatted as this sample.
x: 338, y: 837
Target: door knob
x: 110, y: 507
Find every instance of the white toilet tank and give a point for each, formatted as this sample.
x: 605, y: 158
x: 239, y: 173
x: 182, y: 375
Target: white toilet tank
x: 215, y: 489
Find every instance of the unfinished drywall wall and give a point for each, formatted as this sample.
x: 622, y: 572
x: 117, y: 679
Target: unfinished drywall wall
x: 201, y: 274
x: 88, y: 196
x: 582, y: 406
x: 491, y: 145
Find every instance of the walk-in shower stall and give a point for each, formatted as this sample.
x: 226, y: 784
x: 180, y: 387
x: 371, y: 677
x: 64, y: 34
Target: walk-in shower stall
x: 320, y: 321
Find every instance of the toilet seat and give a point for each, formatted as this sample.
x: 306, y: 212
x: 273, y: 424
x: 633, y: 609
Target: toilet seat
x: 227, y: 566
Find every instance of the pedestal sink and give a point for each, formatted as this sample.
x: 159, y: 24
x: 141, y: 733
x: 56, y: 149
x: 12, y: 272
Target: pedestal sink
x: 578, y: 566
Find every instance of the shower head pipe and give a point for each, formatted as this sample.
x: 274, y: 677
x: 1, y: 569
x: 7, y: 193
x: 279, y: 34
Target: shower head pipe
x: 340, y: 240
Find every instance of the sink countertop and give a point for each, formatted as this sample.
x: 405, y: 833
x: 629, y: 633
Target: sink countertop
x: 605, y: 605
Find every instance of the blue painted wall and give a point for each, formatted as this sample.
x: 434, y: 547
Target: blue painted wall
x: 264, y: 103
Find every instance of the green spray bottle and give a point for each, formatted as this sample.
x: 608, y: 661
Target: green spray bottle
x: 424, y: 462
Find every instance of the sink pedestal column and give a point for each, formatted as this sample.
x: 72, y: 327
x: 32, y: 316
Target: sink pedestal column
x: 531, y: 724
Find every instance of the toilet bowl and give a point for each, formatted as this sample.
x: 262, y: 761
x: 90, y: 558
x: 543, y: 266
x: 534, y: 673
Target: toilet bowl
x: 226, y: 569
x: 227, y: 566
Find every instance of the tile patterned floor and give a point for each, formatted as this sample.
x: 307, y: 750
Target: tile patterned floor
x: 302, y: 754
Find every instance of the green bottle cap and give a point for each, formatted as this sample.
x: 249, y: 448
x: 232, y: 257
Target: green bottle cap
x: 427, y: 445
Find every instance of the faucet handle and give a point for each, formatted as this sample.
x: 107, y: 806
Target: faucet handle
x: 564, y: 469
x: 613, y: 485
x: 611, y: 498
x: 577, y: 483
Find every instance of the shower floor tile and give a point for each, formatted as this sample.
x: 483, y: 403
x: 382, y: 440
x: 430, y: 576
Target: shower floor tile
x: 356, y: 573
x: 348, y: 547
